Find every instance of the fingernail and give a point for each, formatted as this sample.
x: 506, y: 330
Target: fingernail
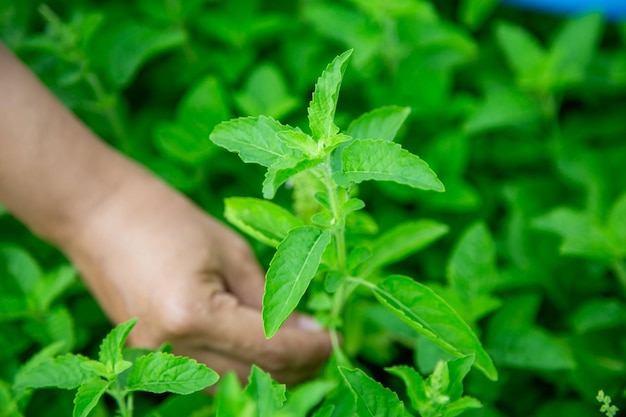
x: 309, y: 323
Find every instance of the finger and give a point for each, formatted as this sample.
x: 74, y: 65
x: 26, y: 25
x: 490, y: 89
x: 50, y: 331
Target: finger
x: 237, y: 331
x: 242, y: 274
x: 223, y: 364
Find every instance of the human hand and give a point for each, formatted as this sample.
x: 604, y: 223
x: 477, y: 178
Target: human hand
x: 143, y: 249
x: 148, y: 252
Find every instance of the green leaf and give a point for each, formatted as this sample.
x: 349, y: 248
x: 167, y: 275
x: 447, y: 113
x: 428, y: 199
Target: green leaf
x: 598, y: 314
x: 55, y: 325
x: 160, y: 372
x: 340, y: 401
x: 45, y: 354
x: 281, y: 171
x: 474, y: 12
x: 18, y: 264
x: 461, y: 405
x: 380, y: 160
x: 8, y: 404
x: 471, y: 270
x: 63, y: 372
x: 112, y: 346
x: 130, y: 45
x: 97, y: 368
x: 180, y: 143
x: 322, y: 107
x: 187, y: 140
x: 523, y: 52
x: 441, y: 393
x: 581, y: 236
x: 230, y: 398
x: 268, y: 395
x: 52, y: 285
x: 261, y: 219
x: 573, y: 48
x: 265, y: 92
x: 457, y: 370
x: 255, y: 139
x: 429, y: 314
x: 305, y: 397
x: 122, y: 366
x: 415, y: 385
x: 88, y: 395
x: 353, y: 204
x: 291, y: 270
x: 382, y: 123
x: 517, y: 347
x: 502, y: 107
x: 616, y: 222
x: 204, y: 105
x: 372, y: 399
x: 300, y: 141
x: 327, y: 410
x: 400, y: 242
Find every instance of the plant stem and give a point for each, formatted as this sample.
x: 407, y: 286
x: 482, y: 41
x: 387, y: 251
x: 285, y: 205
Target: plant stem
x: 339, y: 218
x: 361, y: 281
x: 130, y: 403
x: 338, y: 232
x: 118, y: 395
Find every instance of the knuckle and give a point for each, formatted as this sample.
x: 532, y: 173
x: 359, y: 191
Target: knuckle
x: 177, y: 320
x: 275, y: 358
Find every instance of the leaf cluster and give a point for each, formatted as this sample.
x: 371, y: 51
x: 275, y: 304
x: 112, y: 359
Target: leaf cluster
x: 111, y: 374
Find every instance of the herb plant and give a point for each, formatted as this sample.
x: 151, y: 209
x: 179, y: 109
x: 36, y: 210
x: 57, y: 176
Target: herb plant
x: 316, y: 246
x: 111, y: 374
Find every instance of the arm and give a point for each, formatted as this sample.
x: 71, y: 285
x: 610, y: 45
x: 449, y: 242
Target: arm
x: 38, y: 137
x: 143, y: 249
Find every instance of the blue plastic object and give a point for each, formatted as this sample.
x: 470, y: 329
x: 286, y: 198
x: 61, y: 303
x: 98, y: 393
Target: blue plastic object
x: 612, y: 9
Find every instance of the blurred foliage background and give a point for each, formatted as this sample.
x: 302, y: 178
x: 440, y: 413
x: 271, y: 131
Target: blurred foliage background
x: 521, y: 114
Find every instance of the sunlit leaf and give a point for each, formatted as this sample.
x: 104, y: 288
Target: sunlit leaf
x: 323, y: 105
x: 111, y: 348
x: 255, y: 139
x: 381, y: 160
x: 401, y: 241
x: 269, y: 395
x: 372, y: 399
x: 88, y: 395
x: 261, y: 219
x: 291, y: 270
x: 382, y: 123
x: 160, y: 372
x: 427, y: 313
x: 61, y: 372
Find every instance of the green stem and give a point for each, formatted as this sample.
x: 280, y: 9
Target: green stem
x: 124, y: 408
x: 619, y: 269
x: 130, y: 404
x: 339, y: 299
x: 338, y: 233
x: 361, y: 281
x: 339, y: 218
